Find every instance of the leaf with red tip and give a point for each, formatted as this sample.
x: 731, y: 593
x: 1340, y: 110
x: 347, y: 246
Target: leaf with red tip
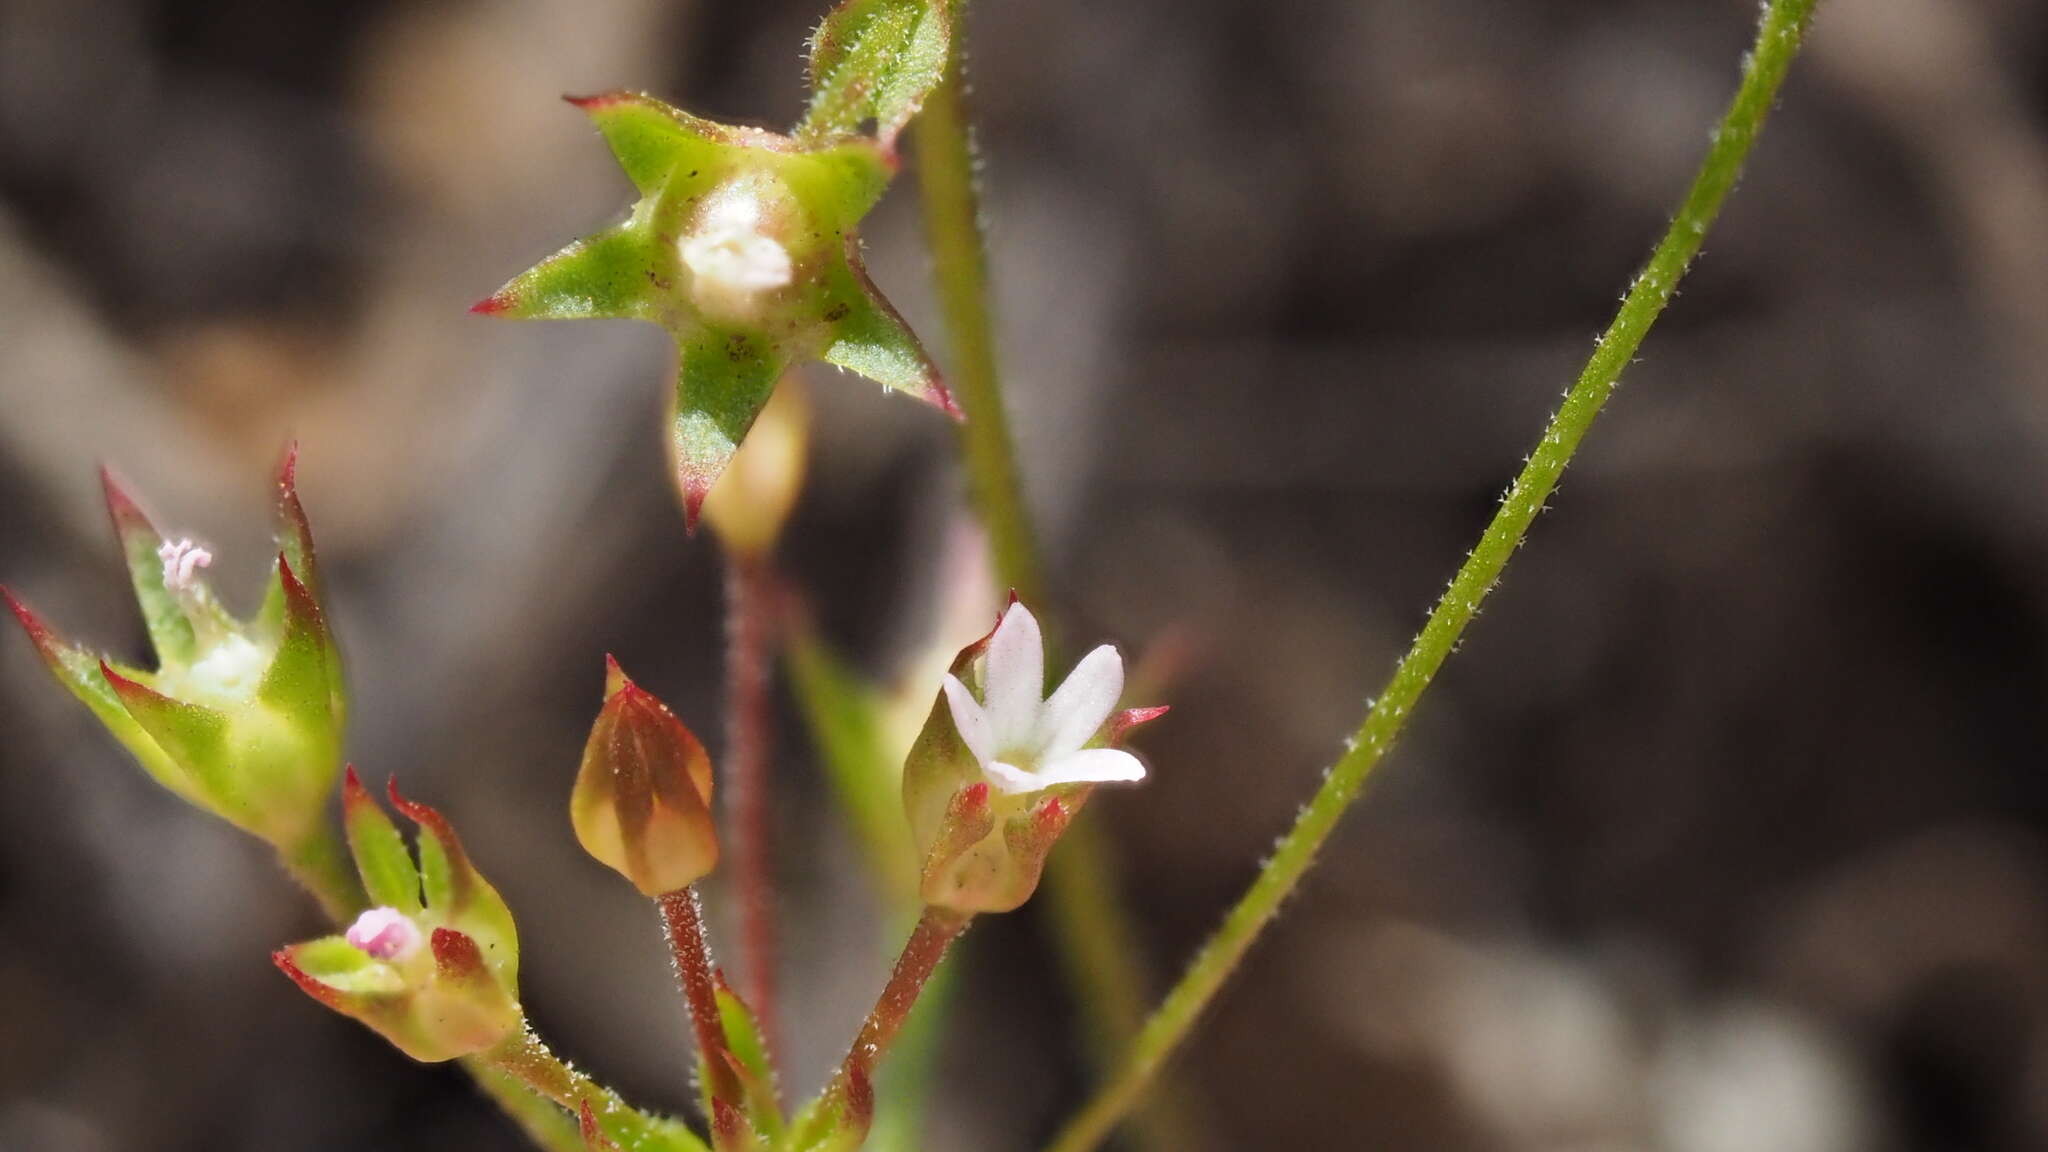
x: 294, y: 531
x: 296, y: 682
x: 871, y: 339
x: 79, y: 671
x: 456, y: 891
x: 746, y: 1052
x: 389, y: 875
x: 619, y: 273
x: 194, y: 737
x: 170, y: 633
x: 655, y: 142
x: 338, y: 974
x: 723, y: 380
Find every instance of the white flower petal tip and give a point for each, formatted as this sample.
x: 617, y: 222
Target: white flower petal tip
x: 385, y: 934
x: 1026, y: 744
x: 1081, y: 704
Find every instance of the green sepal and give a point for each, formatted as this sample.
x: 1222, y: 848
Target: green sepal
x: 296, y: 683
x: 382, y: 859
x: 654, y: 140
x: 194, y: 737
x: 170, y: 633
x: 749, y: 1058
x: 79, y: 671
x: 844, y: 713
x: 875, y: 60
x: 870, y: 339
x: 457, y: 893
x: 619, y: 273
x: 347, y: 969
x: 723, y: 380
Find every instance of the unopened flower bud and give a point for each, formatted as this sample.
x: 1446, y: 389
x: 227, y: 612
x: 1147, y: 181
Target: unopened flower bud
x: 642, y: 802
x: 760, y: 487
x: 241, y: 717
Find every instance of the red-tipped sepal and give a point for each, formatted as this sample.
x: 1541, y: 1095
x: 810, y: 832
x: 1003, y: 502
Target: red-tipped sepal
x: 435, y: 1002
x: 455, y: 893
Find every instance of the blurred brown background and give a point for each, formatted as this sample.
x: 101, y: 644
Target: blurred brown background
x: 1727, y: 832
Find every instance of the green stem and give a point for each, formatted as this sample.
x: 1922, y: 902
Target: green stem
x: 1778, y: 39
x: 322, y: 867
x: 1096, y: 940
x: 952, y: 212
x: 541, y: 1119
x: 524, y: 1058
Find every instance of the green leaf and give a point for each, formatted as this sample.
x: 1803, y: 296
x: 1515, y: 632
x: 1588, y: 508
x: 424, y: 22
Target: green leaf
x: 296, y: 681
x: 347, y: 969
x: 654, y: 140
x: 757, y: 1074
x: 381, y: 856
x: 875, y: 60
x: 722, y: 383
x: 844, y: 713
x: 170, y: 633
x: 619, y: 273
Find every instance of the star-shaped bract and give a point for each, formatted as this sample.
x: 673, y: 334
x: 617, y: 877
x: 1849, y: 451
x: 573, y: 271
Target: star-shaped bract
x: 743, y: 246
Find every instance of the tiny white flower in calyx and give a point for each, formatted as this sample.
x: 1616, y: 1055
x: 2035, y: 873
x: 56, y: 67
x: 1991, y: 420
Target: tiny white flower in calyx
x: 1025, y: 743
x: 385, y: 934
x: 182, y: 561
x: 731, y: 260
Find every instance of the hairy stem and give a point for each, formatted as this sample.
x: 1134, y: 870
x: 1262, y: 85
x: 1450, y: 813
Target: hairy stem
x: 1096, y: 936
x: 952, y: 215
x: 683, y: 919
x: 540, y: 1118
x: 525, y: 1059
x: 1784, y: 25
x: 749, y: 738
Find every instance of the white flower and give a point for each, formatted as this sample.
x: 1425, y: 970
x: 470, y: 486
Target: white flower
x: 1026, y: 744
x: 731, y: 259
x: 385, y: 933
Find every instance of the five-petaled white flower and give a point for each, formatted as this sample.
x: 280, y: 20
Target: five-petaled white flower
x: 1025, y: 743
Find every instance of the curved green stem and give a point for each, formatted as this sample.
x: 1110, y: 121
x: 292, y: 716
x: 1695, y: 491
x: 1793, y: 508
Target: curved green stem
x: 952, y: 214
x: 1096, y: 941
x: 1778, y: 39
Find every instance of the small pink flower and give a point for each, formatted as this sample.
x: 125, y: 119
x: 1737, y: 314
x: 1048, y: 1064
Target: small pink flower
x: 182, y: 561
x: 385, y: 933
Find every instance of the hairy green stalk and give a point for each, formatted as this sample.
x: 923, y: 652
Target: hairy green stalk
x: 1096, y: 942
x: 1778, y: 40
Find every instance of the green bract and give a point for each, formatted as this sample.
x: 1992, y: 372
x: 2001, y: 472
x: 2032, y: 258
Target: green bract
x: 875, y: 60
x: 453, y: 988
x: 241, y: 718
x: 743, y: 246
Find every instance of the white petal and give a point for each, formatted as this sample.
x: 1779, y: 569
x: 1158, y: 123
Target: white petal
x: 969, y: 719
x: 1077, y: 709
x: 1015, y: 680
x: 1012, y: 779
x: 1092, y: 766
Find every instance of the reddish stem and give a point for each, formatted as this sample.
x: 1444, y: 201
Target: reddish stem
x: 683, y: 918
x: 749, y: 738
x: 935, y: 932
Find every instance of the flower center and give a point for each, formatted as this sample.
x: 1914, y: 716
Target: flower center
x: 732, y: 262
x: 385, y: 934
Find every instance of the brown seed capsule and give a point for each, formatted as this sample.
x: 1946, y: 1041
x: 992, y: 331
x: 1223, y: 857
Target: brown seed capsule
x: 642, y: 803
